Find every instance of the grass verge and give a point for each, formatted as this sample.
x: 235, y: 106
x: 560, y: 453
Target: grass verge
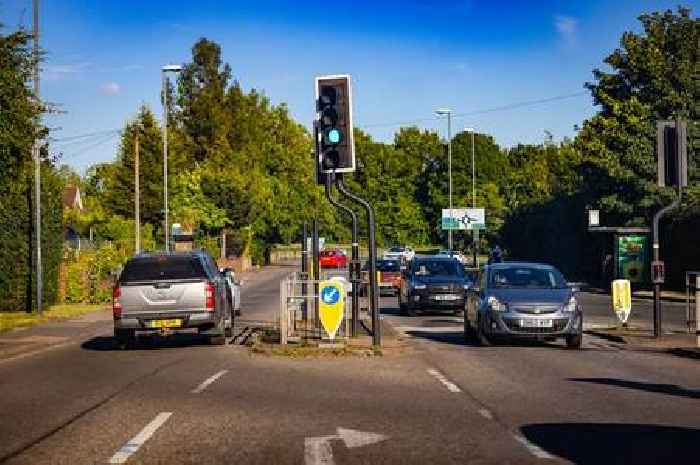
x: 14, y: 320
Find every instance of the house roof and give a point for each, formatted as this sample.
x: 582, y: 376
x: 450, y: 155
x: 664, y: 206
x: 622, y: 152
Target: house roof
x: 72, y: 198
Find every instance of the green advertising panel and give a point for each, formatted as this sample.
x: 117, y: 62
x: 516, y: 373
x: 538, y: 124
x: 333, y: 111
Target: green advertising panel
x: 632, y: 258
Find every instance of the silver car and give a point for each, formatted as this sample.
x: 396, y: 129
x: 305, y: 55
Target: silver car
x: 523, y: 300
x: 171, y: 292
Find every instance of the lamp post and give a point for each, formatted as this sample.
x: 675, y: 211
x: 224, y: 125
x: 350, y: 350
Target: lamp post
x: 475, y: 232
x: 164, y: 70
x: 448, y: 112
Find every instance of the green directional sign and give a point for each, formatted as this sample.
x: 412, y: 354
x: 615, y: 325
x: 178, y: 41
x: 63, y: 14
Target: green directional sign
x: 463, y: 219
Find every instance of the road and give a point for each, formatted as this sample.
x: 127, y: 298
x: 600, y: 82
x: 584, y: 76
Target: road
x: 431, y: 400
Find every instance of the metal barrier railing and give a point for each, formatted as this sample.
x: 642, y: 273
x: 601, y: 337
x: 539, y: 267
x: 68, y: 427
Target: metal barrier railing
x: 692, y: 282
x: 298, y: 318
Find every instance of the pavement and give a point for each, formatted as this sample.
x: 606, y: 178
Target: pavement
x: 432, y: 399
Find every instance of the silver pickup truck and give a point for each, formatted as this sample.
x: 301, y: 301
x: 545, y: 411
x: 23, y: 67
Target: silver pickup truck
x: 171, y: 292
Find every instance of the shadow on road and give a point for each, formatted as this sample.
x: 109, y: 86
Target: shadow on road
x: 668, y: 389
x: 108, y: 343
x: 598, y: 443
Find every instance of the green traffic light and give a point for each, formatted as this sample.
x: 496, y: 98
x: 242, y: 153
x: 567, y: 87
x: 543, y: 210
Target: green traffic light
x: 334, y: 136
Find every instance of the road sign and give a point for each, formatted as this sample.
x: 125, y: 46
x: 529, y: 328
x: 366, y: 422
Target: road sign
x: 622, y: 299
x: 464, y: 218
x: 331, y: 305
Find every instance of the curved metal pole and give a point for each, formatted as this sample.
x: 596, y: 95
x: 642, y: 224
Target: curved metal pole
x: 374, y: 295
x: 354, y: 263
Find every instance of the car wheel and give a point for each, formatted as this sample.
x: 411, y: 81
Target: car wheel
x: 228, y: 327
x: 468, y: 330
x: 219, y: 338
x: 237, y: 312
x: 574, y: 341
x: 126, y: 338
x: 481, y: 336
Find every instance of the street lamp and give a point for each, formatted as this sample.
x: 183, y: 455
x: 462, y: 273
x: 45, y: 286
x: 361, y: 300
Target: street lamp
x: 164, y: 70
x: 448, y: 112
x: 475, y: 232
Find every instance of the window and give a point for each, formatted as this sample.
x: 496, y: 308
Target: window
x: 163, y: 268
x: 526, y: 277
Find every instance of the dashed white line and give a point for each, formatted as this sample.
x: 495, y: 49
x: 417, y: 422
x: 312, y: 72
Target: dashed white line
x: 135, y: 443
x: 485, y: 413
x: 534, y: 449
x: 208, y: 381
x: 452, y: 387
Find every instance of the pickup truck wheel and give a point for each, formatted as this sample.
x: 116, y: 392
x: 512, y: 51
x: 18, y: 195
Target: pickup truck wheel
x: 573, y: 341
x: 228, y: 329
x: 126, y: 338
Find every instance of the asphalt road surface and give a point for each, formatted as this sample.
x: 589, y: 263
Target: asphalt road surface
x: 434, y: 400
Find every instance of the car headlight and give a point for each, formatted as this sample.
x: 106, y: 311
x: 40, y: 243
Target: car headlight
x: 496, y: 305
x: 467, y: 287
x: 570, y: 306
x: 419, y: 286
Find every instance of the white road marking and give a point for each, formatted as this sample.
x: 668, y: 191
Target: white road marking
x: 319, y: 450
x: 135, y: 443
x: 452, y: 387
x: 534, y: 449
x: 485, y: 413
x: 208, y: 381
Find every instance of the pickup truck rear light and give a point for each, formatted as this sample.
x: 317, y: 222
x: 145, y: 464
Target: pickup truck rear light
x: 210, y: 293
x: 116, y: 304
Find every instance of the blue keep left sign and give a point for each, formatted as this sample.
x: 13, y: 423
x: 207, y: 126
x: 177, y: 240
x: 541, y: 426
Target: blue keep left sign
x: 330, y: 295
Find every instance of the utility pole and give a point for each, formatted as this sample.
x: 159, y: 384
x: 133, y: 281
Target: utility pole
x: 37, y: 169
x: 475, y: 232
x: 448, y: 112
x: 165, y: 160
x: 137, y: 195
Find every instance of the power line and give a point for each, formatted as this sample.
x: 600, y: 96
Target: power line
x: 511, y: 106
x: 82, y: 151
x: 83, y: 136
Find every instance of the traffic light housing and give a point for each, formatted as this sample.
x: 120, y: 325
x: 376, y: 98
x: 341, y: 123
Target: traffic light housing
x: 672, y: 153
x: 335, y: 148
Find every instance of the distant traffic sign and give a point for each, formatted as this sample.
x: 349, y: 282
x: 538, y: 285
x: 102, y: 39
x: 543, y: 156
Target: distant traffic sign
x: 464, y: 218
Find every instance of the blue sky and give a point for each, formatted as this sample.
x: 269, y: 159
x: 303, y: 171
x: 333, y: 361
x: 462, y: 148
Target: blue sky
x: 406, y: 58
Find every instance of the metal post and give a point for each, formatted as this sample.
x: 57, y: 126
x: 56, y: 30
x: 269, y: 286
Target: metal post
x: 374, y: 294
x: 449, y: 168
x: 37, y: 170
x: 137, y: 201
x: 165, y: 159
x: 657, y: 286
x: 475, y: 232
x: 354, y: 262
x: 304, y: 270
x: 697, y: 310
x: 314, y: 267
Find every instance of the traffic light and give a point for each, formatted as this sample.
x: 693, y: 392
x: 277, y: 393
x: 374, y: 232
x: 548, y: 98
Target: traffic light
x: 335, y: 148
x: 672, y: 153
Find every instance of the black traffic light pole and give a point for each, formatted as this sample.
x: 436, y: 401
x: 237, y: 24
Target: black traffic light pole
x: 355, y: 261
x: 373, y: 295
x: 655, y: 245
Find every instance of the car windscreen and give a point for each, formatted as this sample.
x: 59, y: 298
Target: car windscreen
x: 397, y: 249
x: 163, y: 268
x: 526, y: 277
x: 438, y: 268
x: 388, y: 265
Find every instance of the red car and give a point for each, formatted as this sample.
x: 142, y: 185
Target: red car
x: 333, y: 259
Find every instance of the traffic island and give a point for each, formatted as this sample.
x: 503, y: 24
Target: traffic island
x: 642, y: 340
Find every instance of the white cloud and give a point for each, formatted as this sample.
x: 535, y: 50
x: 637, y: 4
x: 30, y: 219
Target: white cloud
x: 567, y: 28
x: 110, y: 88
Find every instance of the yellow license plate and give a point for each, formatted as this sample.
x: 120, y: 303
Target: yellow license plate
x: 165, y: 323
